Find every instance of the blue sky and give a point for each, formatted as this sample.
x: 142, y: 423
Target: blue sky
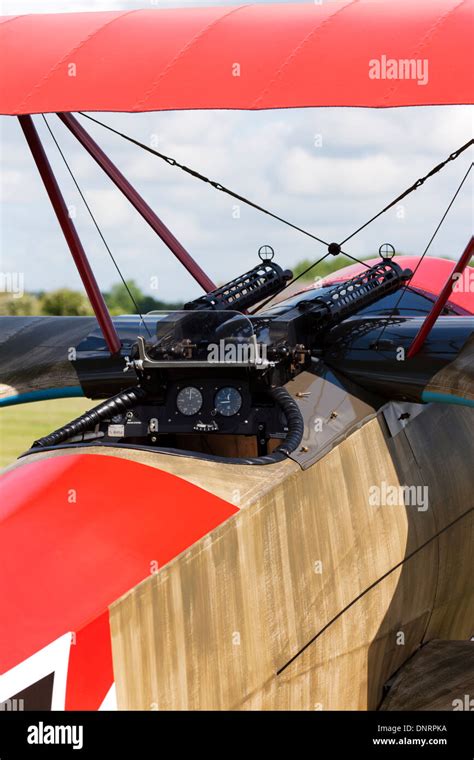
x: 327, y: 170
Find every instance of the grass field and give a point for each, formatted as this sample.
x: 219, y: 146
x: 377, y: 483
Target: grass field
x: 21, y: 425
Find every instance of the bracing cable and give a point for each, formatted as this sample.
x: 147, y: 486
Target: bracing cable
x: 95, y: 223
x: 419, y: 182
x: 336, y: 247
x: 203, y: 178
x: 407, y: 284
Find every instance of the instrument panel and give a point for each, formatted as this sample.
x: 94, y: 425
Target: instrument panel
x: 207, y: 405
x: 227, y: 400
x: 201, y: 405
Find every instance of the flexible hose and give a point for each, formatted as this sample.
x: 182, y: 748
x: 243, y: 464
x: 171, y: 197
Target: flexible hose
x: 129, y: 398
x: 115, y: 405
x: 294, y: 418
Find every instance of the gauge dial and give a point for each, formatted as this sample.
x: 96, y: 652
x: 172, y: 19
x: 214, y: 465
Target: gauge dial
x: 228, y: 401
x: 189, y: 400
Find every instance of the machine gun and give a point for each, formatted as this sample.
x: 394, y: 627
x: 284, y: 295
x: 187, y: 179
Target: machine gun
x: 173, y: 386
x: 266, y: 279
x: 316, y: 313
x: 294, y: 327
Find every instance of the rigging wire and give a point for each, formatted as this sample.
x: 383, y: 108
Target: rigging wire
x: 96, y: 225
x: 413, y: 187
x: 203, y: 178
x: 357, y: 261
x: 218, y: 186
x: 173, y: 162
x: 407, y: 284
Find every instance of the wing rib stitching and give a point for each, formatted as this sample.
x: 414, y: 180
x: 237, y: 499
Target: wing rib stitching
x: 183, y: 52
x: 421, y: 45
x: 320, y: 27
x: 69, y: 54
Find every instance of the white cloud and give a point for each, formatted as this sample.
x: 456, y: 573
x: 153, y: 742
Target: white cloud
x: 15, y: 187
x: 304, y: 174
x: 367, y: 157
x: 111, y: 208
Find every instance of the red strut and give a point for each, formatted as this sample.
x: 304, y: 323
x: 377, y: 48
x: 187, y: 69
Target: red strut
x: 440, y: 302
x: 137, y: 201
x: 70, y: 233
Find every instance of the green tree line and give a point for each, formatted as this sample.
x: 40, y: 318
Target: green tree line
x: 67, y: 302
x: 72, y: 303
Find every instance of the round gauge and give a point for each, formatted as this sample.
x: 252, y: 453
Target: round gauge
x: 228, y: 401
x: 189, y: 400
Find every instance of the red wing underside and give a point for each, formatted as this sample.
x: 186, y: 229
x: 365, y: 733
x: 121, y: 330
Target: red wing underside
x: 247, y: 57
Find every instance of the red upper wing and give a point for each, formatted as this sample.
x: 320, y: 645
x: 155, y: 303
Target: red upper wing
x: 248, y: 57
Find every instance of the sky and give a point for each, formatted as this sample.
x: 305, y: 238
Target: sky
x: 327, y: 170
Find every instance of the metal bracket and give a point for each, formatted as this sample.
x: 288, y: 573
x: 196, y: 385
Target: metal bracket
x: 146, y: 362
